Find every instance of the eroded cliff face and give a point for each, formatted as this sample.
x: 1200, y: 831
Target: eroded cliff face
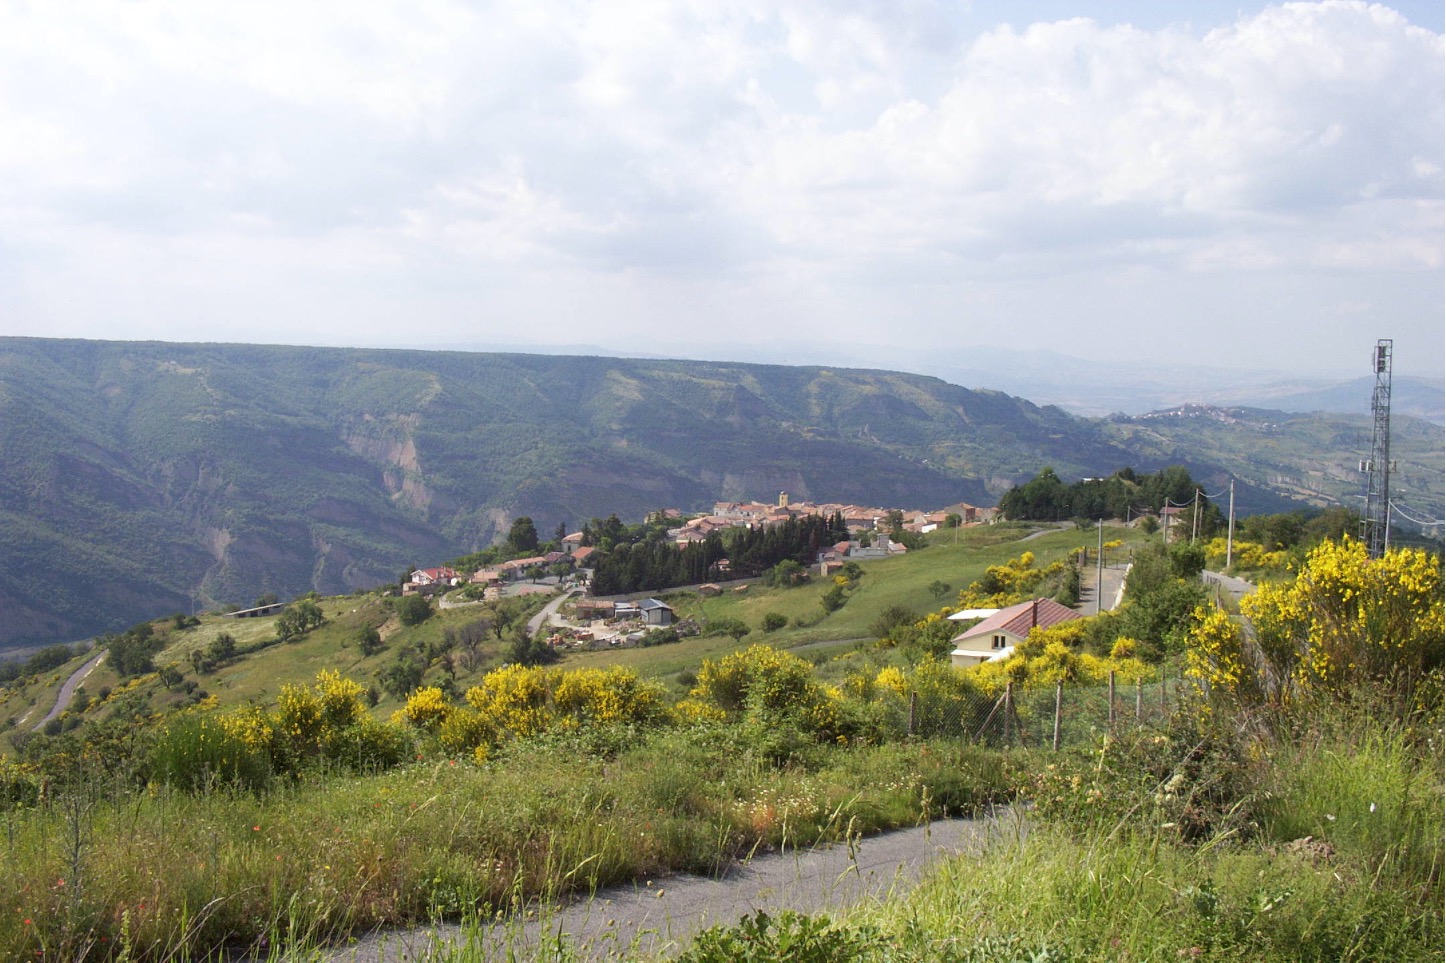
x: 136, y: 478
x: 390, y: 442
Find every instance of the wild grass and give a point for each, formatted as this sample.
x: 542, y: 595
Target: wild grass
x: 1147, y: 897
x: 1328, y: 849
x: 162, y: 871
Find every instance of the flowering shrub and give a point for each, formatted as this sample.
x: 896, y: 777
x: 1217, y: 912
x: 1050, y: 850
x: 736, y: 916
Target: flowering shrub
x: 585, y: 697
x: 426, y: 709
x: 1346, y: 621
x: 1012, y: 582
x: 196, y: 753
x: 774, y: 695
x: 1052, y: 655
x: 519, y: 701
x: 19, y: 783
x: 1251, y: 556
x: 326, y: 720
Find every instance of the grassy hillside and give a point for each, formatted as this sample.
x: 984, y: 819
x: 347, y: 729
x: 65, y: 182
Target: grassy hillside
x: 137, y: 477
x: 1227, y: 824
x: 263, y: 665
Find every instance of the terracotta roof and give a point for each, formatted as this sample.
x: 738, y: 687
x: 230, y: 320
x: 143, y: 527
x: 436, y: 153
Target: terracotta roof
x: 1017, y: 620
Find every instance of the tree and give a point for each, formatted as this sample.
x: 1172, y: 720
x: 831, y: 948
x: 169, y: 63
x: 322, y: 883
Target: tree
x: 522, y: 536
x: 530, y: 652
x: 369, y: 641
x: 786, y: 574
x: 222, y: 648
x: 267, y: 598
x: 301, y: 617
x: 402, y: 675
x: 939, y: 588
x: 890, y: 619
x: 414, y: 610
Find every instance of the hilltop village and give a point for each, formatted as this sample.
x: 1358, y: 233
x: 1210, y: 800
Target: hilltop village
x: 578, y: 620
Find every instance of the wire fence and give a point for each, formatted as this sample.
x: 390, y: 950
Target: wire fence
x: 1045, y: 717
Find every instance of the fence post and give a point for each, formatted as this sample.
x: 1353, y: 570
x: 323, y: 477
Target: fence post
x: 1112, y: 699
x: 1058, y: 703
x: 1139, y: 698
x: 1008, y: 710
x: 1164, y: 709
x: 913, y: 708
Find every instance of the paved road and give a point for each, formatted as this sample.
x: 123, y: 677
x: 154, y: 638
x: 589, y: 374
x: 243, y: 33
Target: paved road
x: 1110, y: 595
x: 1235, y: 587
x: 549, y: 610
x: 663, y: 915
x: 67, y: 691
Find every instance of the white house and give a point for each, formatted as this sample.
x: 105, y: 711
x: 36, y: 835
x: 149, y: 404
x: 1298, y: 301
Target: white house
x: 998, y: 634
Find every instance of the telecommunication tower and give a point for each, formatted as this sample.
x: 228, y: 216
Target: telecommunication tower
x: 1376, y: 523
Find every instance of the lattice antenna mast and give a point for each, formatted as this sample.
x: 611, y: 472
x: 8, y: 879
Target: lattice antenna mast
x: 1376, y: 525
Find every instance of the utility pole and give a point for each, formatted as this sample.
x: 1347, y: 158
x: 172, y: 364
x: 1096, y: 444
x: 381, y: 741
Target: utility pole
x: 1099, y: 562
x: 1230, y: 530
x: 1376, y: 524
x: 1195, y: 524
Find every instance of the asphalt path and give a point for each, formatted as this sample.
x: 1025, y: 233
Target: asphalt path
x: 550, y: 609
x: 67, y: 690
x: 659, y: 916
x: 1235, y: 587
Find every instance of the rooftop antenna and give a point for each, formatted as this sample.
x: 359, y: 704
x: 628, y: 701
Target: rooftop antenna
x: 1376, y: 523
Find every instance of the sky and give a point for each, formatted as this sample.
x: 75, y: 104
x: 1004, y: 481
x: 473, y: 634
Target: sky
x: 1242, y: 184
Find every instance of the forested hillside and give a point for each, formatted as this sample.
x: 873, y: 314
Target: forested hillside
x: 145, y: 477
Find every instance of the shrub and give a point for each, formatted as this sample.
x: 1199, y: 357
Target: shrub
x: 773, y: 621
x: 772, y: 692
x: 891, y: 618
x: 196, y: 754
x: 790, y: 936
x: 413, y: 610
x: 1345, y: 624
x: 368, y: 746
x: 426, y: 709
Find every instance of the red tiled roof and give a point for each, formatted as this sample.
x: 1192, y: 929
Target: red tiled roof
x: 1017, y: 620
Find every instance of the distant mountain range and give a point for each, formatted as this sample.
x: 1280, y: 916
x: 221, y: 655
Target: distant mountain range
x: 138, y: 478
x: 1135, y: 385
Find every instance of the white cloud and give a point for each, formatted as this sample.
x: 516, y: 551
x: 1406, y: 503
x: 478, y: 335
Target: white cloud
x: 822, y: 165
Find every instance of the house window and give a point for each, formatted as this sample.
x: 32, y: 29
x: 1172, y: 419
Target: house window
x: 998, y: 642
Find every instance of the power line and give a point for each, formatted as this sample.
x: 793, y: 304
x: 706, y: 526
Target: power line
x: 1412, y: 518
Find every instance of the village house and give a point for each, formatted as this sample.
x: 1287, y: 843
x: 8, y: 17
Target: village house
x: 997, y: 635
x: 435, y: 576
x: 654, y: 612
x: 589, y: 609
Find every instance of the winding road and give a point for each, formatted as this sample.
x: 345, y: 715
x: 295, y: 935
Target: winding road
x: 67, y: 690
